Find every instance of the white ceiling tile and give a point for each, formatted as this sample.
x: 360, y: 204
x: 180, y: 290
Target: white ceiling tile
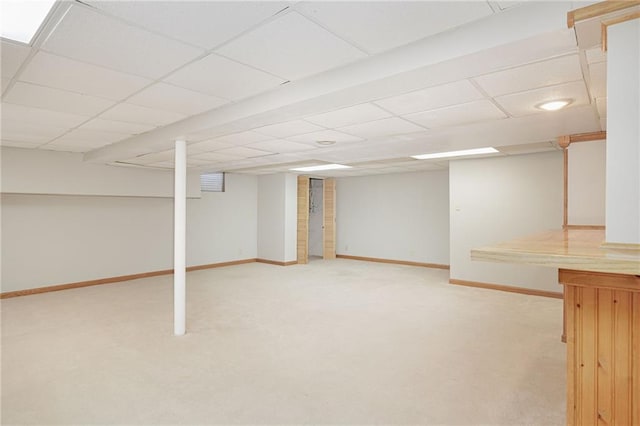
x: 19, y: 144
x: 202, y: 23
x: 324, y: 135
x: 12, y: 56
x: 62, y: 73
x: 524, y: 103
x: 205, y: 146
x: 242, y: 138
x: 224, y: 78
x: 380, y: 128
x: 35, y: 133
x: 38, y: 116
x: 457, y: 92
x: 116, y: 126
x: 458, y: 114
x: 153, y: 157
x: 137, y: 114
x: 292, y: 47
x: 216, y: 157
x: 281, y: 146
x: 4, y: 83
x: 55, y: 99
x: 595, y: 55
x: 89, y: 36
x: 382, y: 25
x: 244, y: 152
x: 601, y: 104
x: 88, y: 138
x: 598, y: 79
x: 172, y: 98
x: 288, y: 128
x: 350, y: 115
x: 532, y: 76
x: 66, y: 148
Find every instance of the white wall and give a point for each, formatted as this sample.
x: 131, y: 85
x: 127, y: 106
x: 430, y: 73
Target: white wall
x: 33, y: 171
x: 395, y: 216
x: 54, y: 239
x: 623, y: 133
x: 277, y: 217
x: 315, y: 217
x: 501, y: 198
x: 222, y: 226
x: 586, y: 183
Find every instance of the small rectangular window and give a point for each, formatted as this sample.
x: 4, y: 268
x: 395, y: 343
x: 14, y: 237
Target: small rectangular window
x: 212, y: 182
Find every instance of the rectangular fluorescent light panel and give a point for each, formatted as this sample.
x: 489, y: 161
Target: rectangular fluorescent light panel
x: 476, y: 151
x: 21, y: 19
x: 322, y: 167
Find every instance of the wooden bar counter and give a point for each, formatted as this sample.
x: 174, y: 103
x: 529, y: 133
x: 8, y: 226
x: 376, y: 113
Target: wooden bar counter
x: 602, y: 314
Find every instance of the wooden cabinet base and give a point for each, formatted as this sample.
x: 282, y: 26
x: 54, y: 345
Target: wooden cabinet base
x: 603, y: 347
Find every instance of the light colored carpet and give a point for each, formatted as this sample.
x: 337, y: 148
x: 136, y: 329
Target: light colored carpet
x: 329, y: 342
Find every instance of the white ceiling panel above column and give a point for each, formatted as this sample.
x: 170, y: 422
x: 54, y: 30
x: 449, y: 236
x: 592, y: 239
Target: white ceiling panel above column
x: 55, y: 99
x: 39, y: 116
x: 176, y: 99
x: 525, y: 103
x: 32, y: 133
x: 62, y: 73
x: 203, y: 23
x: 381, y: 25
x: 224, y: 78
x: 540, y: 74
x: 281, y: 146
x: 291, y: 47
x: 137, y: 114
x: 324, y: 135
x: 89, y: 36
x: 457, y: 92
x: 12, y: 55
x: 288, y: 128
x: 350, y: 115
x: 457, y: 115
x: 116, y: 126
x: 87, y: 139
x: 380, y: 128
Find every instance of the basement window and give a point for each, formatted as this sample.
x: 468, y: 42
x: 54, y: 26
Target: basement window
x: 212, y: 182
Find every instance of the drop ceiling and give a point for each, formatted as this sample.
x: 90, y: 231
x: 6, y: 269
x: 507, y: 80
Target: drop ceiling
x: 253, y: 86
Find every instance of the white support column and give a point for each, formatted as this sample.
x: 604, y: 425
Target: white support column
x: 179, y: 239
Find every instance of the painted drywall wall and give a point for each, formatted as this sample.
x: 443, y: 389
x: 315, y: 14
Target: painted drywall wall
x: 277, y: 215
x: 586, y: 170
x: 54, y: 239
x: 222, y: 226
x: 498, y: 199
x: 623, y: 133
x: 33, y: 171
x: 315, y: 217
x: 401, y: 216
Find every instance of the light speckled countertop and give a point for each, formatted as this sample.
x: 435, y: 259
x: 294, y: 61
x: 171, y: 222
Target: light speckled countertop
x: 572, y: 249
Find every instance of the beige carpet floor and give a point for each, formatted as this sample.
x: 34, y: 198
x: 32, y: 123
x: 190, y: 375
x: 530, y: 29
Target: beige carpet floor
x: 331, y: 342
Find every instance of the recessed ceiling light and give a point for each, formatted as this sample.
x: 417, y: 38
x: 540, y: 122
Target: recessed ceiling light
x: 321, y: 167
x: 554, y: 105
x: 476, y: 151
x: 22, y: 19
x: 325, y: 143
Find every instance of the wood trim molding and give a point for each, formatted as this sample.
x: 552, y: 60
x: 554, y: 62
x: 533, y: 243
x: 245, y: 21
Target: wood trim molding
x: 588, y: 137
x: 277, y: 262
x: 597, y: 9
x: 601, y: 280
x: 117, y: 279
x: 592, y: 227
x: 510, y: 289
x: 393, y: 261
x: 620, y: 246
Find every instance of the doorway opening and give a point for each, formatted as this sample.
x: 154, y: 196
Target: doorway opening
x: 318, y: 201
